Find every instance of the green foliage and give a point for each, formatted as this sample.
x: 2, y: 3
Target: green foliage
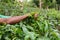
x: 44, y: 28
x: 10, y: 8
x: 36, y: 2
x: 58, y: 1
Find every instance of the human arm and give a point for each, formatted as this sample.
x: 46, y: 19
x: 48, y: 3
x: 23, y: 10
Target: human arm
x: 15, y: 19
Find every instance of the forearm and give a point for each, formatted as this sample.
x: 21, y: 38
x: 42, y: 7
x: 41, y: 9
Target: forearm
x: 16, y: 19
x: 13, y: 20
x: 2, y: 20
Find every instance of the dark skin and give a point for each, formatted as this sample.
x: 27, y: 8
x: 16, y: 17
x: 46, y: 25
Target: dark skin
x: 15, y: 19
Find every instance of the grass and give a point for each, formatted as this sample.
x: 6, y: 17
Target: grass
x: 44, y: 28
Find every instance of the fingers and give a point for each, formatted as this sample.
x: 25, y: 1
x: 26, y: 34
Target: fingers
x: 35, y: 16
